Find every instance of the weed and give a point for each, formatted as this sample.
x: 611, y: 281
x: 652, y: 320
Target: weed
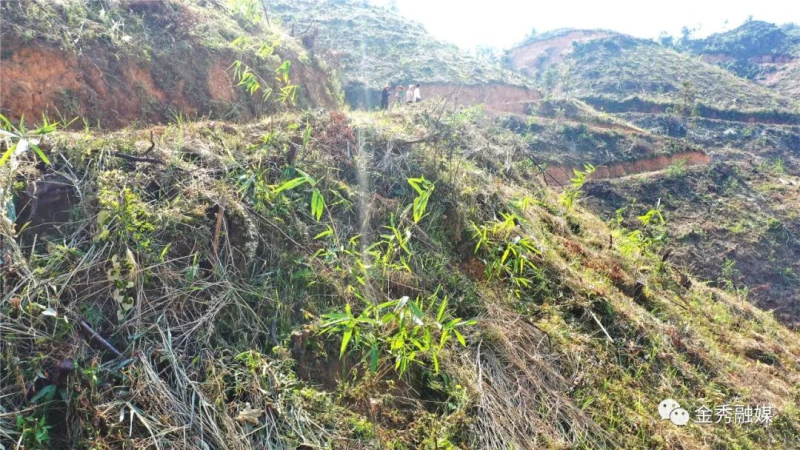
x: 35, y: 433
x: 18, y: 139
x: 779, y: 167
x: 124, y: 218
x: 400, y: 329
x: 510, y: 254
x: 677, y: 169
x: 424, y: 190
x: 572, y: 192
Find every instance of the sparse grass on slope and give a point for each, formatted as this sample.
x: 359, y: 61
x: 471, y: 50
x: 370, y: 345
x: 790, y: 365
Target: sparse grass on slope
x: 376, y: 46
x: 620, y: 67
x: 210, y: 274
x: 756, y: 50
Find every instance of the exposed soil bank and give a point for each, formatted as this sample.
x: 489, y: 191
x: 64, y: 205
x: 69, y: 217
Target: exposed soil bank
x: 98, y: 85
x: 495, y: 97
x: 539, y: 55
x: 556, y: 175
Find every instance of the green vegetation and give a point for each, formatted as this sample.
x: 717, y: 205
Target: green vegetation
x: 761, y: 227
x: 18, y: 139
x: 245, y: 76
x: 751, y: 50
x: 290, y: 321
x: 677, y: 169
x: 398, y: 328
x: 572, y: 192
x: 422, y: 278
x: 619, y: 67
x: 158, y: 59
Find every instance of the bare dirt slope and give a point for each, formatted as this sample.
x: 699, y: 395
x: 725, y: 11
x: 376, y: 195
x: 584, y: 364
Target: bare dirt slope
x: 48, y: 67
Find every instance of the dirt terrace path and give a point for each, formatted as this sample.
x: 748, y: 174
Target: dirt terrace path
x: 560, y: 175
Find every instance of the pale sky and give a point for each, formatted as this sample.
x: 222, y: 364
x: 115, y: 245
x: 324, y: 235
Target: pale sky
x: 501, y: 23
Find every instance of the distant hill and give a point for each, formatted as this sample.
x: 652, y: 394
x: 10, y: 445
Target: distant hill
x: 761, y: 51
x: 739, y: 130
x: 371, y: 46
x: 601, y: 66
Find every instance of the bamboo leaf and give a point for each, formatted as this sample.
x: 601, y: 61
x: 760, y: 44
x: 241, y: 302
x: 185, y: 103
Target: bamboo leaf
x: 291, y: 184
x: 325, y: 233
x: 460, y: 338
x: 317, y: 204
x: 373, y: 365
x: 442, y: 308
x: 47, y: 391
x: 41, y: 154
x: 415, y: 309
x: 7, y: 154
x: 345, y: 340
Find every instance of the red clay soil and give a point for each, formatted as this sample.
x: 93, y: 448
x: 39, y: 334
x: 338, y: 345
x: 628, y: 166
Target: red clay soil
x: 539, y: 55
x: 556, y: 175
x: 779, y: 72
x: 39, y: 78
x: 495, y: 97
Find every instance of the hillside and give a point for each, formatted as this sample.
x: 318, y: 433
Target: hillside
x: 761, y: 51
x: 734, y: 218
x: 371, y: 47
x: 188, y: 263
x: 145, y: 61
x: 209, y: 274
x: 561, y: 136
x: 728, y: 189
x: 734, y: 221
x: 615, y: 72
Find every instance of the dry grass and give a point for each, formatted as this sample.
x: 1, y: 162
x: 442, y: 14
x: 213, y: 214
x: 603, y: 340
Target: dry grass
x: 573, y: 361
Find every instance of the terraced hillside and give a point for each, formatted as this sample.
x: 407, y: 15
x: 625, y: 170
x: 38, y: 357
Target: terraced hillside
x: 199, y: 295
x: 617, y: 73
x: 371, y: 46
x: 760, y: 51
x: 422, y: 278
x: 728, y: 189
x: 562, y: 136
x: 735, y: 221
x: 734, y: 217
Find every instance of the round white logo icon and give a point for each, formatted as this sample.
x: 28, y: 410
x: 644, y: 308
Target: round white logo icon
x: 679, y: 417
x: 666, y: 407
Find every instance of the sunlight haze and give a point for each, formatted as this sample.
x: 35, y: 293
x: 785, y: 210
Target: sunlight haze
x: 501, y: 23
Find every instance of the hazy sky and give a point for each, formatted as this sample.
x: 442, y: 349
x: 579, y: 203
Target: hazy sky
x: 501, y: 23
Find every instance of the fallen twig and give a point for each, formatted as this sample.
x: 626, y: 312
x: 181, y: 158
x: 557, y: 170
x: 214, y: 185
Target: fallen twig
x: 95, y: 336
x: 152, y: 144
x: 138, y: 158
x: 601, y: 326
x: 217, y: 230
